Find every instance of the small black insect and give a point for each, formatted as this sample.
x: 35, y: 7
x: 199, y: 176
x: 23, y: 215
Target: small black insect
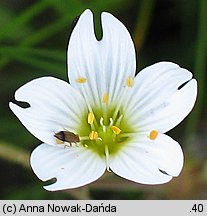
x: 67, y: 136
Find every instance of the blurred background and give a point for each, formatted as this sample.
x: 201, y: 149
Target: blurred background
x: 33, y: 41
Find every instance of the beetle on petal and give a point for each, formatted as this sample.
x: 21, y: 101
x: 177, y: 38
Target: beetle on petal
x: 67, y: 136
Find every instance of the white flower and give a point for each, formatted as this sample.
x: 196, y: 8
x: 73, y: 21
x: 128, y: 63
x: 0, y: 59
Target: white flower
x: 114, y: 120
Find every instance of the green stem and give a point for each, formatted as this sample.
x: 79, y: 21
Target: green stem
x: 14, y: 154
x: 200, y: 66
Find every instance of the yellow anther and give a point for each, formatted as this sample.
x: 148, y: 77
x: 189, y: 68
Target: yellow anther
x: 105, y: 97
x: 116, y: 130
x: 91, y: 118
x: 81, y: 80
x: 130, y: 81
x: 153, y: 134
x: 93, y: 135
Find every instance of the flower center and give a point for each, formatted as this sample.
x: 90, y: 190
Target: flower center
x: 104, y: 135
x: 104, y: 129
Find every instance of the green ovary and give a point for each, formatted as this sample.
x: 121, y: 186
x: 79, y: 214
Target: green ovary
x: 102, y: 126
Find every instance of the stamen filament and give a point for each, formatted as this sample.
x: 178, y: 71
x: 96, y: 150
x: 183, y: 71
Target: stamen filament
x: 83, y: 138
x: 119, y: 120
x: 130, y: 83
x: 107, y: 158
x: 123, y: 96
x: 127, y: 134
x: 86, y: 99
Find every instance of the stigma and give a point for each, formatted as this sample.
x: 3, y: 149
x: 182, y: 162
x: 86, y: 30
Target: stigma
x: 104, y: 133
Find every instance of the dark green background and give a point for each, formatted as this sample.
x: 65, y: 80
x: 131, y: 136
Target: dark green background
x: 33, y: 42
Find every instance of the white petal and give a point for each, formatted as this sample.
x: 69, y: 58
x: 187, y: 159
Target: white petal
x: 71, y: 166
x: 156, y: 101
x: 54, y: 106
x: 118, y: 54
x: 145, y: 161
x: 106, y: 64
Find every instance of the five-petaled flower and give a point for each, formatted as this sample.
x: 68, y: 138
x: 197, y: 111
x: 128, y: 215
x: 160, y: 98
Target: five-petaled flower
x: 106, y: 118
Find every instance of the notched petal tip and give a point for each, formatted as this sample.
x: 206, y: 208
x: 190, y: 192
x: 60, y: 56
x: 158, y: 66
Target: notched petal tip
x: 20, y: 100
x: 23, y: 94
x: 87, y: 12
x: 165, y: 94
x: 105, y: 15
x: 192, y: 80
x: 186, y: 94
x: 48, y: 183
x: 163, y: 172
x: 85, y: 18
x: 183, y: 84
x: 50, y: 100
x: 66, y: 168
x: 153, y: 163
x: 194, y: 84
x: 172, y: 154
x: 14, y: 108
x: 19, y: 110
x: 111, y: 24
x: 105, y: 63
x: 12, y: 105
